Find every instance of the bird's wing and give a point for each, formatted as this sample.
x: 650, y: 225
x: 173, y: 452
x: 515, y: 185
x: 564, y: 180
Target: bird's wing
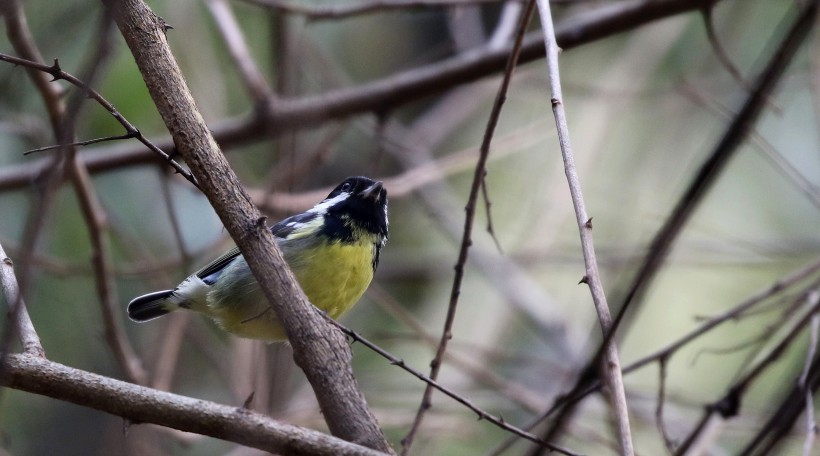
x: 300, y: 224
x: 211, y: 271
x: 297, y: 225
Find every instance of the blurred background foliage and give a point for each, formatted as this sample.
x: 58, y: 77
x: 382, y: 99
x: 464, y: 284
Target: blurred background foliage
x: 645, y: 109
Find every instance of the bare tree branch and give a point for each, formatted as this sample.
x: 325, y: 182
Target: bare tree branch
x: 432, y: 383
x: 711, y: 169
x: 287, y: 114
x: 707, y: 175
x: 63, y: 117
x: 95, y: 218
x: 139, y: 404
x: 131, y: 131
x: 729, y: 405
x: 17, y: 313
x: 611, y: 364
x: 466, y: 239
x: 720, y: 51
x: 255, y: 82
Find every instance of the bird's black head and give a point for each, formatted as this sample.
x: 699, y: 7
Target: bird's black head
x: 358, y: 203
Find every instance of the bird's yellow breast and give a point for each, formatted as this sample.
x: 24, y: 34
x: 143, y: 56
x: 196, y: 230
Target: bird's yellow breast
x: 338, y: 275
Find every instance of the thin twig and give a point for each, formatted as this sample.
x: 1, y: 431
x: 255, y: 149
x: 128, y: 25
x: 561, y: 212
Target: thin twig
x: 432, y: 383
x: 80, y: 143
x: 729, y: 405
x: 226, y: 23
x: 466, y: 240
x: 611, y: 366
x: 734, y: 313
x: 720, y: 51
x: 812, y: 301
x: 57, y: 73
x: 661, y: 401
x: 528, y: 400
x: 780, y: 423
x: 95, y: 219
x: 767, y: 150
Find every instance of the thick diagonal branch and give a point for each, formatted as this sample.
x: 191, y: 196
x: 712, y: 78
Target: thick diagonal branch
x: 319, y: 349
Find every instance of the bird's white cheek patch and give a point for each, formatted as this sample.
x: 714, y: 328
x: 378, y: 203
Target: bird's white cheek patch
x: 322, y: 207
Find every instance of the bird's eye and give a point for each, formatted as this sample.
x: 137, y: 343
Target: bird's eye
x: 347, y: 186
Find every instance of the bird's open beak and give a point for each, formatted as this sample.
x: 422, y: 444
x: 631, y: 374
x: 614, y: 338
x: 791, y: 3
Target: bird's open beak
x: 372, y: 192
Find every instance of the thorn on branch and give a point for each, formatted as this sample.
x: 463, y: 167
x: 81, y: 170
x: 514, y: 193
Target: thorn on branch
x: 248, y: 401
x: 165, y: 26
x: 130, y: 129
x: 729, y: 406
x: 588, y: 224
x: 55, y: 71
x: 584, y: 279
x: 555, y: 101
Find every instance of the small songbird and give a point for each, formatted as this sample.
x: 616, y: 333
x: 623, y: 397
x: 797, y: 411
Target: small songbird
x: 333, y: 249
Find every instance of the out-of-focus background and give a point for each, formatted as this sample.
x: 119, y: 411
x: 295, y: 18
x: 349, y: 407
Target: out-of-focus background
x: 646, y: 107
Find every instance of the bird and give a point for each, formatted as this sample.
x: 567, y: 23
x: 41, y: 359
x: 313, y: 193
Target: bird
x: 333, y: 250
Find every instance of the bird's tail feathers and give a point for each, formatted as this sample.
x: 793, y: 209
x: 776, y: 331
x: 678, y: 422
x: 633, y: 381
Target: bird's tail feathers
x: 153, y: 305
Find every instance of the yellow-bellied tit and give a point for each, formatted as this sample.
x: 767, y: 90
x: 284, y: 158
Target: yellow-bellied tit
x: 332, y: 249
